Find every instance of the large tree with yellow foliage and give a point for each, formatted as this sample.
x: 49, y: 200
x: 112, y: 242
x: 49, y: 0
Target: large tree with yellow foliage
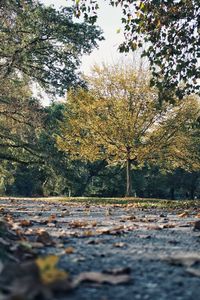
x: 119, y: 119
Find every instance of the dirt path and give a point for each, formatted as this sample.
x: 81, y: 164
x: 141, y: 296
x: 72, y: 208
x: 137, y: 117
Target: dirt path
x: 159, y: 250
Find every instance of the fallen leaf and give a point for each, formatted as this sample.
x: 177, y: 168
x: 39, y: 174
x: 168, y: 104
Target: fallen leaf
x: 193, y: 271
x: 118, y: 271
x: 49, y: 272
x: 78, y: 224
x: 187, y: 260
x: 69, y: 250
x: 154, y: 227
x: 94, y: 242
x: 119, y: 245
x: 52, y: 219
x: 131, y: 218
x: 100, y: 278
x: 51, y: 225
x: 88, y: 233
x: 144, y: 236
x: 108, y: 212
x: 111, y: 230
x: 44, y: 238
x: 168, y: 226
x: 25, y: 223
x: 183, y: 215
x: 196, y: 225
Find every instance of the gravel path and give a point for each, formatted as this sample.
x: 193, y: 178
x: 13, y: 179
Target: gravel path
x: 103, y: 238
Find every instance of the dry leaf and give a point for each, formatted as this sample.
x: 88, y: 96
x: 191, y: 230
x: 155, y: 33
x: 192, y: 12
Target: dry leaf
x: 25, y: 223
x: 144, y: 236
x: 154, y: 227
x: 69, y: 250
x: 197, y: 225
x: 88, y: 233
x: 187, y: 260
x: 52, y: 219
x: 101, y: 278
x: 168, y: 225
x: 49, y: 272
x: 118, y: 271
x: 193, y: 271
x: 183, y: 215
x: 78, y: 224
x: 119, y: 245
x: 44, y: 238
x: 131, y: 218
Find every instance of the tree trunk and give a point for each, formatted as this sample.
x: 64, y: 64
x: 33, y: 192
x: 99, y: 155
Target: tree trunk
x: 128, y: 178
x: 192, y: 191
x: 172, y: 193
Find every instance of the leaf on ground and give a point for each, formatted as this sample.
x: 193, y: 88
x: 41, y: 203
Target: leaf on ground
x: 78, y: 224
x: 193, y: 271
x: 52, y: 219
x: 154, y: 227
x: 187, y: 260
x: 197, y: 225
x: 94, y: 242
x: 69, y: 250
x: 100, y: 278
x: 25, y: 223
x: 111, y: 230
x: 168, y: 225
x: 24, y: 281
x: 118, y: 271
x: 119, y: 244
x: 49, y: 272
x: 144, y: 236
x: 44, y: 238
x: 183, y: 215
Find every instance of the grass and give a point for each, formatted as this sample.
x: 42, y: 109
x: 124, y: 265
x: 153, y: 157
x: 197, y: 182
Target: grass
x: 135, y: 202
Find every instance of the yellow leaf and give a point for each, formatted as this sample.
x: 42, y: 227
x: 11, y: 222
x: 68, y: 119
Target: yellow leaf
x: 48, y: 262
x: 48, y: 270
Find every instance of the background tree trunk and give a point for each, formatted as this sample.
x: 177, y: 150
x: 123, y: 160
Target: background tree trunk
x: 128, y: 177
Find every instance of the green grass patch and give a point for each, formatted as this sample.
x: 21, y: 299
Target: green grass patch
x: 135, y: 202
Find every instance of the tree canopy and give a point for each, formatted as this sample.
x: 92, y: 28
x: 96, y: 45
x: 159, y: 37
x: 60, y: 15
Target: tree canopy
x: 119, y: 120
x: 169, y: 31
x: 43, y: 43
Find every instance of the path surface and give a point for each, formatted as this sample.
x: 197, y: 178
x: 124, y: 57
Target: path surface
x: 102, y: 238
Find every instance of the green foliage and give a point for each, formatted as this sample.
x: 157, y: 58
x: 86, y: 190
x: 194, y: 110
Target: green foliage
x: 169, y: 31
x: 20, y: 122
x: 43, y: 43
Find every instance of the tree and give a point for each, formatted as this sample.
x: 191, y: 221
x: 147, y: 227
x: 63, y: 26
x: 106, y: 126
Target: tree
x: 169, y: 31
x: 43, y: 43
x: 20, y: 123
x: 38, y: 44
x: 118, y: 119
